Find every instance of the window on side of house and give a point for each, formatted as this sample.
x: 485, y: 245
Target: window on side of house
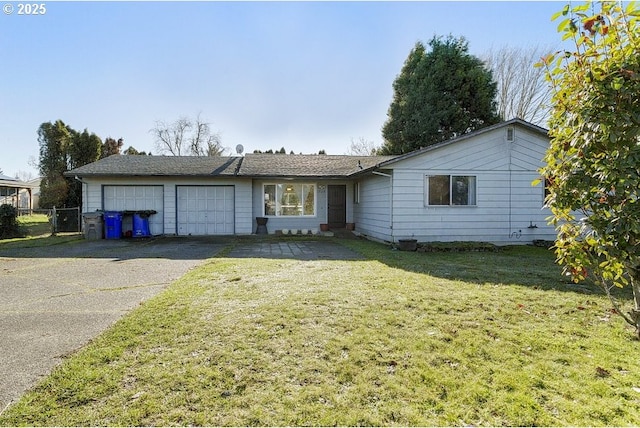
x: 289, y: 199
x: 447, y: 190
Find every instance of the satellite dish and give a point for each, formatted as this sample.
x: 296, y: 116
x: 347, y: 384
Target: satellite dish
x: 239, y: 149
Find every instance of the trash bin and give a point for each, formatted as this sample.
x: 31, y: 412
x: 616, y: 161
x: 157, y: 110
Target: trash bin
x: 112, y: 224
x: 141, y: 225
x: 92, y: 225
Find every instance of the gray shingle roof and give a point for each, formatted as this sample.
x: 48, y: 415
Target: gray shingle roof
x: 14, y: 183
x: 251, y: 165
x: 328, y: 166
x: 138, y: 165
x: 7, y: 178
x: 530, y: 126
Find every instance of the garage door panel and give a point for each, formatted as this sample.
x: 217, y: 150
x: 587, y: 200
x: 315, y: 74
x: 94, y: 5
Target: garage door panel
x: 132, y: 198
x: 205, y: 210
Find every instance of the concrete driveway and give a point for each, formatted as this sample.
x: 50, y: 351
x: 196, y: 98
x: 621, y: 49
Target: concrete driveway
x: 53, y: 300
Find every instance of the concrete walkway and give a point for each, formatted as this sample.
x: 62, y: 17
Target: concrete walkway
x: 290, y: 249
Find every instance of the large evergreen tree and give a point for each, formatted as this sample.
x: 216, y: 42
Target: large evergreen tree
x: 61, y: 149
x: 439, y: 94
x: 54, y: 139
x: 84, y: 148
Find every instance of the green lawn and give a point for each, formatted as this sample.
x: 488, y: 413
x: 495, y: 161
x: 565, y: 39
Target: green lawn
x: 36, y: 230
x: 35, y: 225
x: 399, y: 339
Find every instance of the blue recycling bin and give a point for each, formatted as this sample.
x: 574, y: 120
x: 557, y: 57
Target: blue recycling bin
x: 141, y: 225
x: 112, y: 224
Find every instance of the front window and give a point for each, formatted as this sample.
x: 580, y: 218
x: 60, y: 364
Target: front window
x: 450, y: 190
x: 288, y: 199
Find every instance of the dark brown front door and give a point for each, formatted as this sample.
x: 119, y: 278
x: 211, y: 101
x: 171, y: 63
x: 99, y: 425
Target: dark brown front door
x: 337, y: 206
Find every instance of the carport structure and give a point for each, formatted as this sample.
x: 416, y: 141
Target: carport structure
x: 10, y: 189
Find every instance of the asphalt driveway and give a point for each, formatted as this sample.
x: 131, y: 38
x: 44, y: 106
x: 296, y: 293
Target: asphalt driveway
x: 55, y: 299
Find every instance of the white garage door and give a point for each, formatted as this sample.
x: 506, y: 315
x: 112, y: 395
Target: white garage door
x: 206, y: 210
x: 131, y: 198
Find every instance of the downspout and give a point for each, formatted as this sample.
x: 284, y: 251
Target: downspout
x: 85, y: 192
x: 512, y: 233
x: 390, y: 177
x: 235, y: 193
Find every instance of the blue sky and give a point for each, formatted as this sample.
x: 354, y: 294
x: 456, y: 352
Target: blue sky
x: 301, y: 75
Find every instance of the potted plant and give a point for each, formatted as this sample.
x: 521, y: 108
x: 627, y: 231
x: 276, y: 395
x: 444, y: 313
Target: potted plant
x: 324, y: 227
x: 262, y: 225
x: 351, y: 226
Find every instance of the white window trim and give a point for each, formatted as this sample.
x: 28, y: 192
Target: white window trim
x: 356, y: 192
x: 276, y: 183
x: 450, y: 205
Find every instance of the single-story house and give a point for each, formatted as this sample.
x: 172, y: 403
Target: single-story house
x: 17, y: 193
x: 477, y: 187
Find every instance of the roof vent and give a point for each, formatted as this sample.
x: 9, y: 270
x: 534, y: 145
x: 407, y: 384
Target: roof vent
x: 239, y: 149
x: 511, y: 134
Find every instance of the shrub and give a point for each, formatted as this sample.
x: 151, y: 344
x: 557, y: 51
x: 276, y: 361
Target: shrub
x: 8, y: 221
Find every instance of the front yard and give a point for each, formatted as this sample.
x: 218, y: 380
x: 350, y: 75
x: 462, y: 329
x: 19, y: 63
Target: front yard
x: 399, y: 339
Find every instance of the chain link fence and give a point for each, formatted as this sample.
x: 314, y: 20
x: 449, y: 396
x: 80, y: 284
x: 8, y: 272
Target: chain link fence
x: 61, y: 219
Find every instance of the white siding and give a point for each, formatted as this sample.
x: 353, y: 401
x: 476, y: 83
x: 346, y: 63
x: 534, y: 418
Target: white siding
x: 93, y: 197
x: 306, y: 222
x: 506, y: 205
x: 372, y: 214
x: 506, y: 202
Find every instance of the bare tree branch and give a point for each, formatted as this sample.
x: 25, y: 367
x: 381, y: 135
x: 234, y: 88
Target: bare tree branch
x: 187, y: 137
x: 522, y: 89
x: 362, y: 147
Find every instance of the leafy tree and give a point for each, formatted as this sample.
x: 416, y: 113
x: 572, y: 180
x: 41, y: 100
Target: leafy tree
x: 111, y: 147
x: 522, y: 90
x: 54, y: 138
x: 84, y: 148
x: 438, y: 95
x: 132, y: 151
x: 593, y: 163
x: 61, y: 149
x: 281, y: 151
x: 187, y: 137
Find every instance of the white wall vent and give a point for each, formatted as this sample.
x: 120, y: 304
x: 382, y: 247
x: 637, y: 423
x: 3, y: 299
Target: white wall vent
x: 511, y: 134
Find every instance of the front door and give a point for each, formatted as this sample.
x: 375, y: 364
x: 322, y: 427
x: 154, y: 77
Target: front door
x: 337, y: 206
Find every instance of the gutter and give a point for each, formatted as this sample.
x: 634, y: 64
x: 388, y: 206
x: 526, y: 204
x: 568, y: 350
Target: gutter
x: 84, y: 192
